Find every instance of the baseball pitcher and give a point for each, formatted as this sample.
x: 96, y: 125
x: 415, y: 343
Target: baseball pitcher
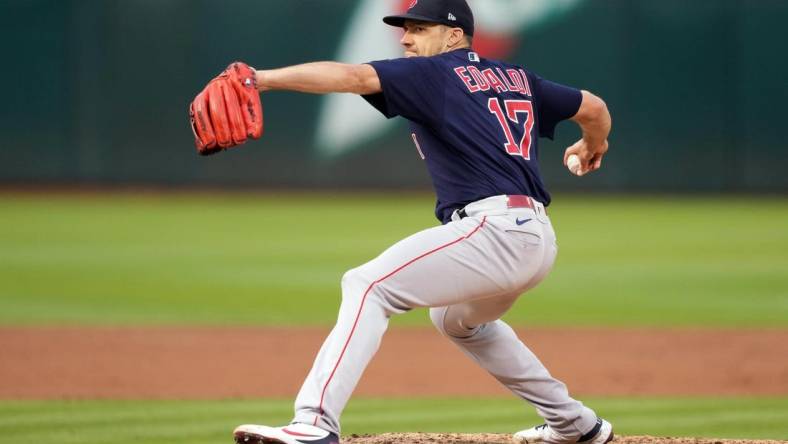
x: 476, y: 123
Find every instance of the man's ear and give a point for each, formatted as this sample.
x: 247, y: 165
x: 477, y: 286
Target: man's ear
x: 455, y: 36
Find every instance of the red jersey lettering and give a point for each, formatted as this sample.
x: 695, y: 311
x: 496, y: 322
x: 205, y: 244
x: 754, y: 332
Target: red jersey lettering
x: 495, y: 82
x: 462, y: 73
x: 525, y: 84
x: 479, y: 77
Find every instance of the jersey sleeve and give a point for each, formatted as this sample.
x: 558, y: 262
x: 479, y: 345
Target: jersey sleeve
x: 555, y: 103
x: 411, y: 88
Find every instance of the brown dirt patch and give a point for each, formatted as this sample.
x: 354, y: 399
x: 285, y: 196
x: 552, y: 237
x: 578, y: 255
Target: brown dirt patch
x: 210, y: 363
x: 483, y: 438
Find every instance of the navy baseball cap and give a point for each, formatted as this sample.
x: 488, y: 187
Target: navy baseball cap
x: 454, y: 13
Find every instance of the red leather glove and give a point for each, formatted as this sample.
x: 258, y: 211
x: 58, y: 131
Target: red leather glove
x: 227, y: 111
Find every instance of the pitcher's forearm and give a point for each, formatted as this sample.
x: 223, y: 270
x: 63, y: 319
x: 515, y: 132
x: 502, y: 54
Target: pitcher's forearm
x: 596, y: 132
x: 594, y: 120
x: 320, y: 78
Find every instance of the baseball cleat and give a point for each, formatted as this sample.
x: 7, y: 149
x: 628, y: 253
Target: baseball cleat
x: 602, y: 433
x: 292, y: 434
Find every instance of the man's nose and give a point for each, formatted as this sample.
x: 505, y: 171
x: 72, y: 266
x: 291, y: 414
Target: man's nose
x: 406, y: 39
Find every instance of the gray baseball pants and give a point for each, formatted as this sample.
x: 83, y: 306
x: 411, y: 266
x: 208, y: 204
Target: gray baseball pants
x: 469, y: 272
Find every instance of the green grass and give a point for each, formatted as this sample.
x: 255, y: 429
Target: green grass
x: 266, y: 260
x: 197, y: 422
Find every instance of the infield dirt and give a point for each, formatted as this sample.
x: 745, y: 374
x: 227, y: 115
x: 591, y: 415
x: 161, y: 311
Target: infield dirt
x: 202, y: 363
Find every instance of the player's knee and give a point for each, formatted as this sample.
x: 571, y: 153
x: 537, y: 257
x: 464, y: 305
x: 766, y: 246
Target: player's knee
x: 448, y: 320
x: 438, y: 318
x: 354, y: 283
x: 360, y: 287
x: 350, y: 278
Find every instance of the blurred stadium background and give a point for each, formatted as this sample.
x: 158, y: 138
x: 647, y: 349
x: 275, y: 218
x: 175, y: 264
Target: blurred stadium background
x: 98, y: 90
x: 96, y: 96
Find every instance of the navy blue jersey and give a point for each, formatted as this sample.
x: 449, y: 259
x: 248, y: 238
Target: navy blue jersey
x: 476, y: 122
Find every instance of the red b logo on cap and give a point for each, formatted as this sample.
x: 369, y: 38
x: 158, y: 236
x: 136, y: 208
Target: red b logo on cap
x: 412, y: 4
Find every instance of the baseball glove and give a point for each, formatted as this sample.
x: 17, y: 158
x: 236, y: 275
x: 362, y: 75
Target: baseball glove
x: 227, y: 111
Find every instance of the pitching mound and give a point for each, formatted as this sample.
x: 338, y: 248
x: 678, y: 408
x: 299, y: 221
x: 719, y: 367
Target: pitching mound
x: 489, y: 438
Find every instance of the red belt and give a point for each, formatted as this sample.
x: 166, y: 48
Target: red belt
x: 513, y: 201
x: 521, y: 201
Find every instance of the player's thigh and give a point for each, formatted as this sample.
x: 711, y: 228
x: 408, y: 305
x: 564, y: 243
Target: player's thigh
x: 440, y: 266
x: 463, y: 317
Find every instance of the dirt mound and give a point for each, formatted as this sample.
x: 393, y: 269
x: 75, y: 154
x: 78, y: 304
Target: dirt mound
x: 489, y: 438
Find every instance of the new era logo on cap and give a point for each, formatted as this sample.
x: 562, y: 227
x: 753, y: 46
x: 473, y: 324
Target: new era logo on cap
x: 452, y: 17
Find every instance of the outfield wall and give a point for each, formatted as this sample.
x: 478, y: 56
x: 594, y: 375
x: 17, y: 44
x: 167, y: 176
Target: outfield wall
x: 97, y: 91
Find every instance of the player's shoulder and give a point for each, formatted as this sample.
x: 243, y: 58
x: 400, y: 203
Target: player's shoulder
x: 458, y: 57
x: 469, y: 56
x: 420, y: 62
x: 424, y: 65
x: 505, y: 65
x: 465, y: 57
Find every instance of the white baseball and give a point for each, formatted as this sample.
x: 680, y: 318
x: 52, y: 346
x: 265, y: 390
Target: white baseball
x: 573, y: 163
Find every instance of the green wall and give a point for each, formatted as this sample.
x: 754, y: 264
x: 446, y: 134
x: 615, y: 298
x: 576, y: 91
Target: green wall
x: 96, y: 92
